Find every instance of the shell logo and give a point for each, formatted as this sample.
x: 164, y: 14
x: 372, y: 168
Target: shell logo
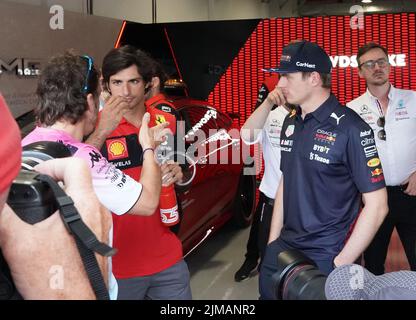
x: 373, y: 162
x: 117, y: 148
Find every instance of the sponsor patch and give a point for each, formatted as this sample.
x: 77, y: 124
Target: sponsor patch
x: 94, y: 157
x: 364, y: 108
x: 325, y: 136
x: 117, y: 149
x: 335, y: 116
x: 367, y: 141
x: 166, y: 109
x: 405, y: 118
x: 401, y: 113
x: 400, y: 105
x: 160, y: 119
x: 365, y: 133
x: 289, y: 130
x: 376, y: 172
x: 373, y: 162
x: 369, y: 118
x: 323, y: 149
x: 285, y: 142
x: 370, y: 151
x: 286, y: 149
x: 305, y: 65
x: 316, y: 157
x: 377, y: 179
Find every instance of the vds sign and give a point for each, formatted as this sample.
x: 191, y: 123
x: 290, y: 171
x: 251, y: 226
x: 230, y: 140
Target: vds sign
x: 21, y: 66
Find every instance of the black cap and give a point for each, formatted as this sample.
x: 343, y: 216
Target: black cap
x: 303, y: 56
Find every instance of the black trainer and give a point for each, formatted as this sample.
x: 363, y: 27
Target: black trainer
x: 245, y: 270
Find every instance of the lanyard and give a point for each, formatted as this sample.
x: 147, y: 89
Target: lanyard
x: 380, y: 109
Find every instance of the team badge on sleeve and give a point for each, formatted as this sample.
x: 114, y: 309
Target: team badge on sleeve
x: 160, y: 119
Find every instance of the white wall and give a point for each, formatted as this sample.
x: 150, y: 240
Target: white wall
x: 182, y: 10
x: 283, y: 8
x: 237, y: 9
x: 132, y: 10
x: 70, y: 5
x: 26, y: 33
x: 177, y: 10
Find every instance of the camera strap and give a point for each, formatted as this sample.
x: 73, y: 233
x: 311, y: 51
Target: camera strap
x: 85, y: 239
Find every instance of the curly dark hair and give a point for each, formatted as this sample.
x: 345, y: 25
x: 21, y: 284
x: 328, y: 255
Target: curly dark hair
x: 61, y: 88
x: 124, y: 57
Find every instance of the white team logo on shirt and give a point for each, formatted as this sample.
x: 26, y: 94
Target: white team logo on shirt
x: 333, y: 115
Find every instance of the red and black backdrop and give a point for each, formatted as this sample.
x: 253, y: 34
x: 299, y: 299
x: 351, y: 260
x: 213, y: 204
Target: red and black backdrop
x: 221, y: 61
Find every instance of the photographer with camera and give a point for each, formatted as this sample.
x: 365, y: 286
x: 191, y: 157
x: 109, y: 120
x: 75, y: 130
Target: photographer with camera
x: 43, y: 259
x: 325, y: 160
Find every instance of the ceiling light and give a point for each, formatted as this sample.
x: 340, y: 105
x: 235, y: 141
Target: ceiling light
x: 366, y: 1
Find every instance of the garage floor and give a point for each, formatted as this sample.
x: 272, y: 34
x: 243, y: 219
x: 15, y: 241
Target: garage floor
x: 212, y: 266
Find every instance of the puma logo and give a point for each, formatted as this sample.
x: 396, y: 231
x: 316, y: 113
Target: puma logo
x: 333, y: 115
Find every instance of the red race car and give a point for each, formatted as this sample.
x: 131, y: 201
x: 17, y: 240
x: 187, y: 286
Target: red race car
x: 223, y: 187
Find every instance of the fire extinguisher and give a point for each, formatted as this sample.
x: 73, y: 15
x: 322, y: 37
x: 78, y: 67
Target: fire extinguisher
x: 168, y: 206
x: 168, y: 203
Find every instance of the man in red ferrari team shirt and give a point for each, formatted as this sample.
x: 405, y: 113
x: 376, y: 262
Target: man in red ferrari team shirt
x: 149, y: 263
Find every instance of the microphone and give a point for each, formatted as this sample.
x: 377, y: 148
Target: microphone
x: 353, y: 282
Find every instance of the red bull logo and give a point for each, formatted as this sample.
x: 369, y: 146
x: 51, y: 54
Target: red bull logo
x: 376, y: 172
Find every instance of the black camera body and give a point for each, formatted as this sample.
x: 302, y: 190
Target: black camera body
x: 298, y: 278
x: 31, y: 199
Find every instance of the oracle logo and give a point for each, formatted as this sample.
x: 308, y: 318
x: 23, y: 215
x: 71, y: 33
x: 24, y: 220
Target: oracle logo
x: 396, y: 60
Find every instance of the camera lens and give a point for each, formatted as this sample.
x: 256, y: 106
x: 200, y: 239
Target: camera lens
x: 298, y: 278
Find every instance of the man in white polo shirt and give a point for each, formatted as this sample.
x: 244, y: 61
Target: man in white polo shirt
x: 391, y: 113
x: 263, y: 126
